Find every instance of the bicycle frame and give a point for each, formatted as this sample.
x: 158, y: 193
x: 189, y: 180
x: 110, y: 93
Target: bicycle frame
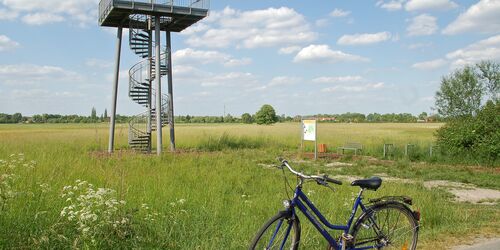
x: 302, y: 202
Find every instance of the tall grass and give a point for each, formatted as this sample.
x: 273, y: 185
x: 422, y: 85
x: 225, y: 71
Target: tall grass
x: 195, y: 199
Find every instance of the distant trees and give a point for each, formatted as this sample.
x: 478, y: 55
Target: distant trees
x: 246, y: 118
x: 15, y: 118
x: 423, y: 116
x: 229, y: 118
x: 266, y: 115
x: 93, y: 114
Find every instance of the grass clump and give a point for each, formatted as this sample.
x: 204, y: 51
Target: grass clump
x: 226, y: 141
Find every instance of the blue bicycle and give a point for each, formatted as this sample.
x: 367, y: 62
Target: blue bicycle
x: 384, y: 223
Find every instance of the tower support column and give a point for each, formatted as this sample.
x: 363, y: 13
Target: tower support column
x: 150, y: 82
x: 115, y: 90
x: 170, y: 93
x: 158, y: 86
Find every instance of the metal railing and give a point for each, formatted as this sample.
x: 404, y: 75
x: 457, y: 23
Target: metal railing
x: 139, y: 82
x: 198, y: 4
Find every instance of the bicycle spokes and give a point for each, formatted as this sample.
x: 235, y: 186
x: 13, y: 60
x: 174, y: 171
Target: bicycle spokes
x: 281, y: 232
x: 389, y: 228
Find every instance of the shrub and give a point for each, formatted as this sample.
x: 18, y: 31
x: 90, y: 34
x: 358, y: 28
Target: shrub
x: 474, y: 138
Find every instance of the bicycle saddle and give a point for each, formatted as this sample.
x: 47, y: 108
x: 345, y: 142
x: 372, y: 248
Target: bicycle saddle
x: 372, y: 183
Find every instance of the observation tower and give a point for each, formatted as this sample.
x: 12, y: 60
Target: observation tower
x: 146, y: 19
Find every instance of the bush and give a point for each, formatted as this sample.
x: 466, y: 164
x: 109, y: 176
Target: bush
x: 475, y: 138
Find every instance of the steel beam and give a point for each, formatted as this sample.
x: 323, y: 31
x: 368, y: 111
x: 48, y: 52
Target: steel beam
x: 170, y: 93
x: 150, y: 81
x: 158, y: 86
x: 115, y: 90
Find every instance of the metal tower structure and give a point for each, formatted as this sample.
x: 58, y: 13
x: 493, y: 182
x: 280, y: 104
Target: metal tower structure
x: 145, y: 20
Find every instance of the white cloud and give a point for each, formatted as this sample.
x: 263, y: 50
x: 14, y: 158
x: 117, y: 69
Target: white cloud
x: 185, y: 71
x: 284, y: 80
x: 98, y: 63
x: 364, y: 39
x: 252, y: 29
x: 392, y: 5
x: 323, y: 53
x: 338, y: 79
x: 7, y: 44
x: 84, y: 12
x: 355, y: 88
x: 192, y: 56
x: 6, y: 14
x: 238, y: 79
x: 42, y: 94
x: 289, y: 50
x: 41, y: 18
x: 487, y: 49
x: 31, y: 74
x: 430, y: 65
x: 418, y: 5
x: 202, y: 94
x: 238, y: 62
x: 483, y: 17
x: 339, y: 13
x: 422, y: 25
x: 193, y: 29
x: 321, y: 22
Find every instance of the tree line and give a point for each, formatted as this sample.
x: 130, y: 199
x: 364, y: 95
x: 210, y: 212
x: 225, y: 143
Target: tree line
x: 245, y: 118
x: 56, y: 118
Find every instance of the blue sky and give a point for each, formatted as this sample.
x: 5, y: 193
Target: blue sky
x: 302, y: 57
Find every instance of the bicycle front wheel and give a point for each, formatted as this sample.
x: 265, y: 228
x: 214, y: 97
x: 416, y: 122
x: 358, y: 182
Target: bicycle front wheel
x: 388, y: 225
x: 281, y: 232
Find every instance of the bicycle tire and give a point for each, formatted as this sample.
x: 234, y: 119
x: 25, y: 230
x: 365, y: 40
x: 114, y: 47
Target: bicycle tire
x: 263, y: 237
x: 365, y: 232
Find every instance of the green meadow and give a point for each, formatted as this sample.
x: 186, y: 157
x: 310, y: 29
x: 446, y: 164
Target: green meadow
x: 60, y: 189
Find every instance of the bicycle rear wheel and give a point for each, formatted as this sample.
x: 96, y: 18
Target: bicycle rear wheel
x: 281, y: 232
x: 389, y: 225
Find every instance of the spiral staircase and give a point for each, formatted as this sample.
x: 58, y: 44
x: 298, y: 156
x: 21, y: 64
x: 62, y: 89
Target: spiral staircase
x: 141, y: 89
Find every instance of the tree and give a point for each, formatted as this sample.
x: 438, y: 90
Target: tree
x: 489, y: 74
x: 266, y: 115
x: 228, y: 119
x: 460, y: 94
x: 105, y: 113
x: 423, y: 116
x: 93, y: 114
x: 246, y: 118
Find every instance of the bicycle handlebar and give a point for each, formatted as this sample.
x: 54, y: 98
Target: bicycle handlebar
x: 284, y: 163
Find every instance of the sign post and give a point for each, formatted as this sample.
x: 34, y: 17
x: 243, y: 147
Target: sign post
x: 309, y: 133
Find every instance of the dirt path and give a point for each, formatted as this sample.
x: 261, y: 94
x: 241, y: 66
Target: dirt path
x: 481, y: 244
x: 462, y: 192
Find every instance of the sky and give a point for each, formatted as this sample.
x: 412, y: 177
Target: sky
x: 302, y: 57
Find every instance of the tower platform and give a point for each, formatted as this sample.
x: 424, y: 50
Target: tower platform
x: 183, y: 13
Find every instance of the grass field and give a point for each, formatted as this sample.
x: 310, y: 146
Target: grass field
x: 213, y: 194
